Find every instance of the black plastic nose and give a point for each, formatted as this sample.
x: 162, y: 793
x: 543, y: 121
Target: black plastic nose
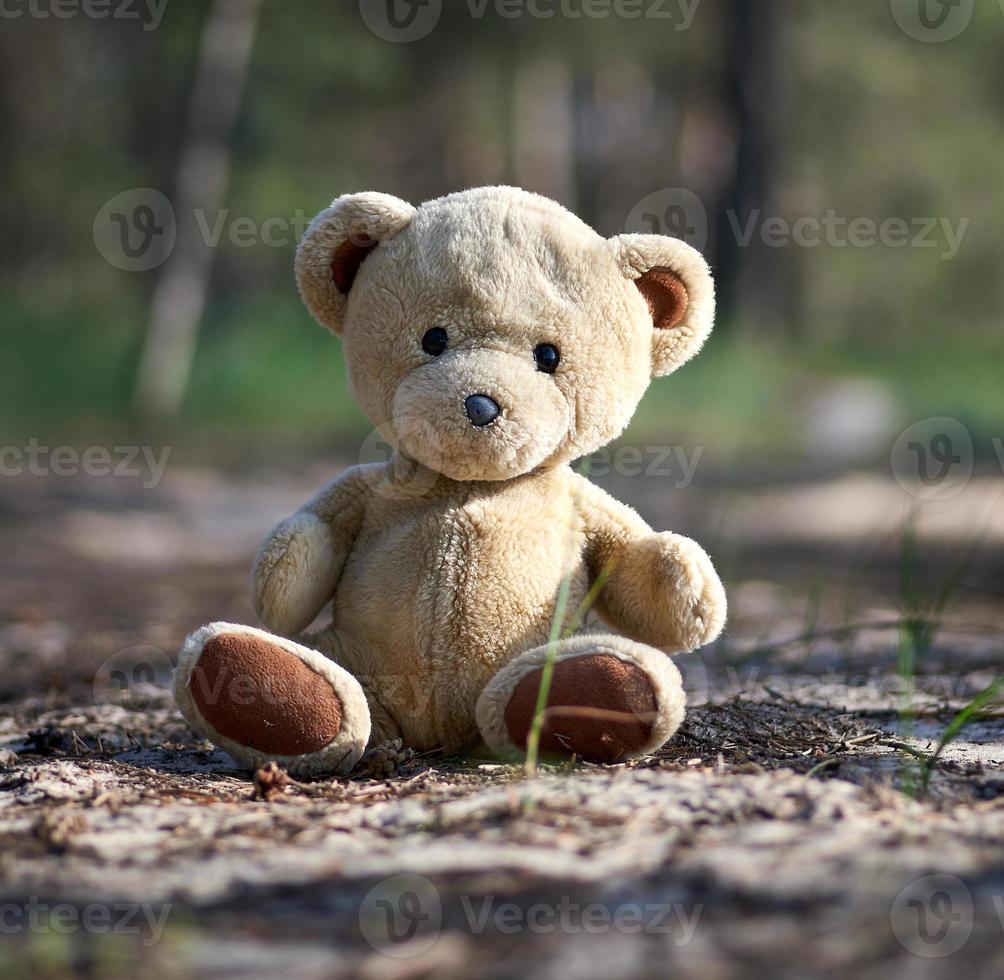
x: 481, y: 409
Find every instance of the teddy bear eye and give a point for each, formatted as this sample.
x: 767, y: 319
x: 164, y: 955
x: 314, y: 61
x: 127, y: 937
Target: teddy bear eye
x: 547, y: 357
x: 434, y: 341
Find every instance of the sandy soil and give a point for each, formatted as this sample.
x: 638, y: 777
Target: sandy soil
x: 787, y: 830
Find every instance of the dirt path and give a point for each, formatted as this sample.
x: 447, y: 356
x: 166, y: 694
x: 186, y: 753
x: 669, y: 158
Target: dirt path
x: 786, y: 831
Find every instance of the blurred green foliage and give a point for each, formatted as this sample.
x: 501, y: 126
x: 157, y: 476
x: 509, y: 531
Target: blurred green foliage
x: 871, y: 123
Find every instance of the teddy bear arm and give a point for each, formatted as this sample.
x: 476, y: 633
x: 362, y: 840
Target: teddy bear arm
x: 657, y: 588
x: 663, y: 590
x: 298, y: 567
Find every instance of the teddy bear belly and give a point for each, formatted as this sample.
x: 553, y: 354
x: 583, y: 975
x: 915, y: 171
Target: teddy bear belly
x: 427, y: 636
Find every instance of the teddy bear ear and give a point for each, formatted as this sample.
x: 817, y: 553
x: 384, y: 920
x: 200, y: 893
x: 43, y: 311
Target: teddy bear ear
x: 676, y: 284
x: 335, y: 245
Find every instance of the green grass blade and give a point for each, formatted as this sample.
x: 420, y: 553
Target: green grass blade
x: 533, y: 739
x: 986, y: 697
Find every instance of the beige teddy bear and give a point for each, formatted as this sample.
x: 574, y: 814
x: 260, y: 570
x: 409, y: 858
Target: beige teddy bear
x: 492, y: 337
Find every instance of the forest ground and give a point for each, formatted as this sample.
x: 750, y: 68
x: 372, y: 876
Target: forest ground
x: 786, y: 829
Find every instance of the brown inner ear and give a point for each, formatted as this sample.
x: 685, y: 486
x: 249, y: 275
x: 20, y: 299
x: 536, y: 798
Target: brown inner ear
x: 347, y: 259
x: 666, y: 296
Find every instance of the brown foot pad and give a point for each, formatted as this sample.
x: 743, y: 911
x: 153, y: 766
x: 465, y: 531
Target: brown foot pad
x: 262, y: 696
x: 600, y: 708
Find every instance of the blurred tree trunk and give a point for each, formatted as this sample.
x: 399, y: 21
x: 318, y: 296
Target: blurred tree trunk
x: 13, y: 211
x: 586, y: 161
x: 203, y: 170
x: 542, y: 123
x: 756, y: 283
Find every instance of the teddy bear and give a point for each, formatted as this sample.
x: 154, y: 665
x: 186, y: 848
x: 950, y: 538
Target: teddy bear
x: 493, y: 338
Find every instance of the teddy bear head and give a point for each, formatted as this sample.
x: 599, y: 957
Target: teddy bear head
x: 491, y: 332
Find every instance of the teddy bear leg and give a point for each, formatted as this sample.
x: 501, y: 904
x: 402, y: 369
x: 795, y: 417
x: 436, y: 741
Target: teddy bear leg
x: 261, y: 697
x: 609, y: 699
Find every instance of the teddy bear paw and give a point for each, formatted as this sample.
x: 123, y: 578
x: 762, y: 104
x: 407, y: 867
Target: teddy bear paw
x: 263, y: 698
x: 609, y: 699
x: 702, y: 595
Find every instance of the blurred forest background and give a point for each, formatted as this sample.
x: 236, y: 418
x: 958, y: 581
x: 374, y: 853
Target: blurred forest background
x: 778, y: 109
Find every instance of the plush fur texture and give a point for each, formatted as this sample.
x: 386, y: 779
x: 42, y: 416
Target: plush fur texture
x: 444, y: 566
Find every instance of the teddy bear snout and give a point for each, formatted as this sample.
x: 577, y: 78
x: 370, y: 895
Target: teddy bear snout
x: 478, y: 413
x: 481, y: 409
